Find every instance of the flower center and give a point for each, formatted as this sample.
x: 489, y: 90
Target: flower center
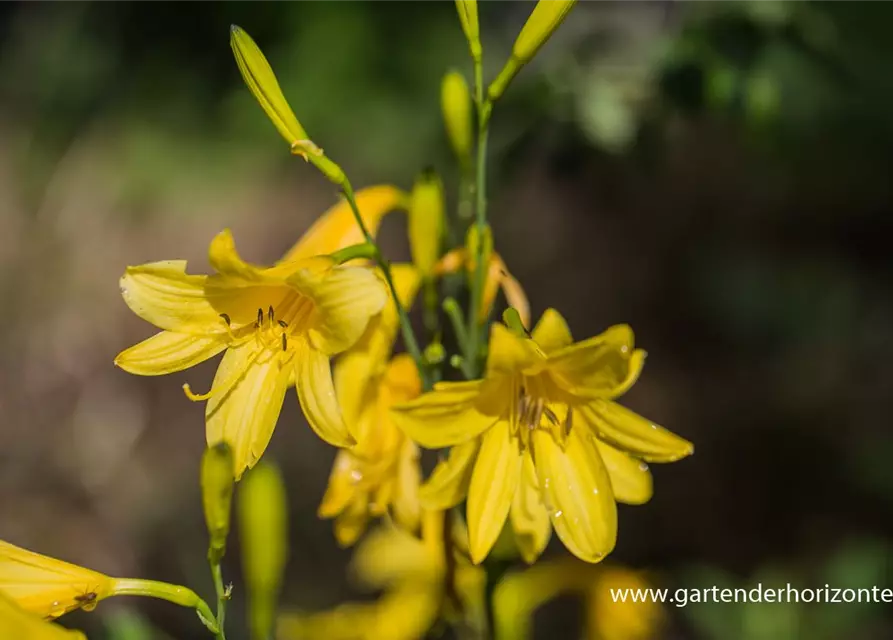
x: 533, y: 410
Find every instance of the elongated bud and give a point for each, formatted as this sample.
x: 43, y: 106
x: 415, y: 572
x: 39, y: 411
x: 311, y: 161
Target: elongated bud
x: 262, y: 82
x: 472, y: 250
x: 468, y: 17
x: 546, y: 17
x: 263, y: 525
x: 455, y: 99
x: 217, y: 496
x: 512, y: 320
x: 426, y: 221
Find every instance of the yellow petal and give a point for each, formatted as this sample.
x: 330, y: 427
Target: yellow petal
x: 261, y: 80
x: 595, y: 367
x: 346, y: 298
x: 337, y: 228
x: 630, y: 477
x: 448, y: 484
x: 546, y: 17
x: 165, y: 295
x: 351, y: 523
x: 342, y: 486
x: 515, y: 297
x: 450, y: 414
x: 551, y: 332
x: 15, y: 622
x: 405, y: 504
x: 492, y: 488
x: 529, y: 517
x: 167, y: 352
x: 630, y: 432
x: 577, y: 492
x: 510, y: 354
x: 608, y: 619
x: 48, y: 587
x: 313, y: 379
x: 245, y: 415
x: 388, y: 555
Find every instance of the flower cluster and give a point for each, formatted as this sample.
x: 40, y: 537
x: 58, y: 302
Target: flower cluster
x: 532, y: 438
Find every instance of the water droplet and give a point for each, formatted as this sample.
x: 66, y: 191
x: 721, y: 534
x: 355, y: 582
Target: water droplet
x: 643, y: 466
x: 559, y: 513
x: 624, y: 349
x: 595, y: 491
x: 356, y: 476
x: 546, y: 483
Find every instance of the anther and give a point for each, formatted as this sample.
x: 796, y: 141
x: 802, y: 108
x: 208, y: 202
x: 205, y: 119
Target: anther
x: 284, y: 342
x: 226, y: 319
x: 260, y: 318
x: 283, y: 324
x: 270, y: 313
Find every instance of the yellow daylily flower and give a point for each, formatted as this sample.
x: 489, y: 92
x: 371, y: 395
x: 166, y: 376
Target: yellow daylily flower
x: 421, y: 584
x: 540, y: 439
x: 496, y: 278
x: 381, y: 473
x: 520, y: 594
x: 277, y: 326
x: 49, y: 588
x: 15, y: 622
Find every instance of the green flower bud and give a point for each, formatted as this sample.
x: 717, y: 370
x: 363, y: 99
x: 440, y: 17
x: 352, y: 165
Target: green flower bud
x: 217, y: 496
x: 455, y: 99
x: 426, y: 221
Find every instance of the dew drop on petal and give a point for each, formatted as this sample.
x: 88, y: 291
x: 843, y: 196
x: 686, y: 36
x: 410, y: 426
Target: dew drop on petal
x: 356, y: 476
x: 643, y: 466
x: 559, y: 513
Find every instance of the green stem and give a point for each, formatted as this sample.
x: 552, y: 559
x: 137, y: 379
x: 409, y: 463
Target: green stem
x: 409, y: 339
x: 182, y: 596
x: 221, y: 598
x: 473, y: 356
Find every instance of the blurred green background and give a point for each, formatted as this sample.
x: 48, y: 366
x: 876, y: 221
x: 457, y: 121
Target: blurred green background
x: 718, y: 175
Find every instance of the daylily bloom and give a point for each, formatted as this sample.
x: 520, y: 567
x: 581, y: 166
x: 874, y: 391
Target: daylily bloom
x: 381, y: 473
x: 540, y: 439
x: 278, y: 326
x: 520, y: 594
x: 421, y: 584
x: 49, y: 588
x: 15, y: 622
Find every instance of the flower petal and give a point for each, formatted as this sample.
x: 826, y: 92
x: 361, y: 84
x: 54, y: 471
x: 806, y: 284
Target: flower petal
x: 551, y: 332
x: 492, y: 488
x: 15, y: 622
x: 167, y: 352
x: 514, y: 293
x: 346, y: 298
x: 337, y: 228
x: 341, y: 488
x: 630, y: 432
x: 226, y: 260
x: 595, y: 367
x: 529, y: 517
x: 316, y: 392
x: 351, y: 523
x: 450, y: 414
x: 245, y: 414
x: 165, y: 295
x: 405, y: 504
x: 577, y: 492
x: 630, y: 477
x: 448, y: 484
x: 510, y: 354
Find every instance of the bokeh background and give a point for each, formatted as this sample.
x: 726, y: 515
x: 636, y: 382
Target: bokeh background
x: 716, y: 174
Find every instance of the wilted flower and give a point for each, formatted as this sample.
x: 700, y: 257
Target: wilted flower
x: 15, y: 622
x: 277, y: 325
x: 520, y: 594
x: 540, y: 439
x: 423, y: 580
x: 381, y: 473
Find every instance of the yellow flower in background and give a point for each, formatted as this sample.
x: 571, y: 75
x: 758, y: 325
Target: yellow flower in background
x: 49, y: 588
x: 421, y: 584
x: 277, y: 326
x: 540, y: 439
x: 381, y: 473
x: 15, y: 622
x: 520, y: 594
x: 496, y: 278
x: 426, y: 221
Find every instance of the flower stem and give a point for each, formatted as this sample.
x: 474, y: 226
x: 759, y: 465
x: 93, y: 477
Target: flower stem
x: 182, y: 596
x: 222, y: 597
x: 473, y: 355
x: 409, y: 339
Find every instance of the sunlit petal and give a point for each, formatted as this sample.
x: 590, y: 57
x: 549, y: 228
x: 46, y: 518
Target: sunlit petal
x: 630, y: 477
x: 448, y: 484
x: 313, y: 380
x: 245, y: 415
x: 529, y: 517
x: 493, y: 483
x: 167, y: 352
x: 342, y: 486
x: 15, y: 622
x: 577, y: 492
x: 510, y: 354
x: 596, y: 366
x: 405, y: 503
x: 551, y: 332
x: 630, y: 432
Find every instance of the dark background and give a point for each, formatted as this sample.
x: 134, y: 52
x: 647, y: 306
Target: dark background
x: 715, y: 174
